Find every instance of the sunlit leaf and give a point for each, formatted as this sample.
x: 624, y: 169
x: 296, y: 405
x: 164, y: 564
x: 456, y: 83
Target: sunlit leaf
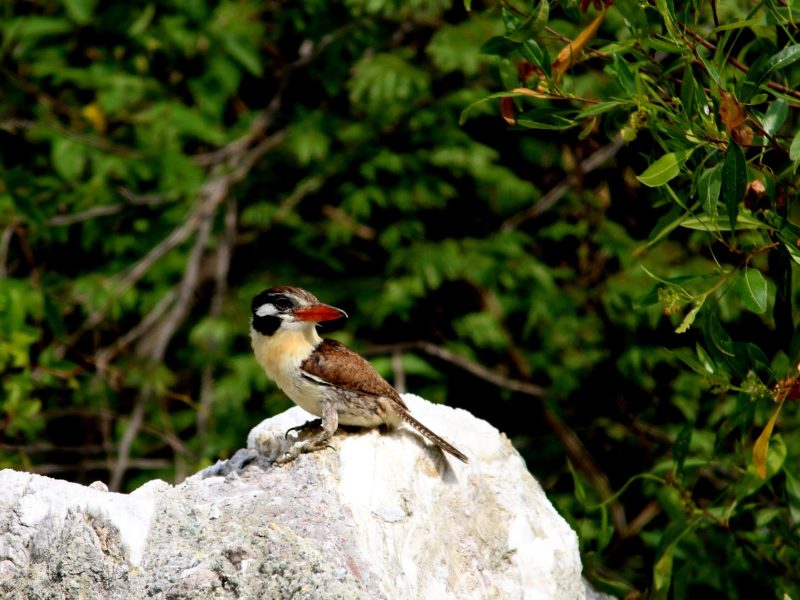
x: 784, y: 58
x: 664, y: 169
x: 794, y: 148
x: 570, y: 53
x: 761, y: 446
x: 69, y: 158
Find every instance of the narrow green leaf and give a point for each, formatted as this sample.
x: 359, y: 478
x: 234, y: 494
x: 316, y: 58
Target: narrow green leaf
x: 465, y: 113
x: 775, y: 116
x: 498, y: 46
x: 680, y: 449
x: 580, y: 492
x: 784, y: 58
x: 243, y: 50
x: 708, y: 188
x: 664, y: 169
x: 793, y: 496
x: 532, y: 25
x: 80, y: 11
x: 688, y: 90
x: 751, y: 287
x: 712, y: 72
x: 559, y: 124
x: 662, y: 570
x: 734, y: 180
x: 706, y: 223
x: 598, y: 109
x: 624, y: 75
x: 794, y: 149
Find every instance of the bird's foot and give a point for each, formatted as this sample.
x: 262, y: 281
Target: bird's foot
x: 312, y: 424
x: 301, y: 447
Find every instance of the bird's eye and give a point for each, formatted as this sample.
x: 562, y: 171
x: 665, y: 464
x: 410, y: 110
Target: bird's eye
x: 282, y: 304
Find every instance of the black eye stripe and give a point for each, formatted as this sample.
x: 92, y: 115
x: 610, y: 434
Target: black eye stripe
x: 279, y: 301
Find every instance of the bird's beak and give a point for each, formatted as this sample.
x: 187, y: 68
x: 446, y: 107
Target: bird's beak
x: 318, y: 312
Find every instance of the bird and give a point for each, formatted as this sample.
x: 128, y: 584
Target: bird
x: 323, y: 376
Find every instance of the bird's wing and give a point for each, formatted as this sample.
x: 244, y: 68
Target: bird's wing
x: 333, y: 363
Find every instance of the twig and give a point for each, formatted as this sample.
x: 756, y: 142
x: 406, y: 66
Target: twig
x: 462, y: 362
x: 597, y: 159
x: 108, y: 209
x: 92, y: 213
x: 334, y: 213
x: 742, y: 67
x: 154, y: 345
x: 123, y: 455
x: 223, y: 263
x: 5, y: 242
x: 11, y: 125
x: 105, y: 355
x: 399, y: 372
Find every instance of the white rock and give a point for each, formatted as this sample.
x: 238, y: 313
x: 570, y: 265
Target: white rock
x: 380, y: 515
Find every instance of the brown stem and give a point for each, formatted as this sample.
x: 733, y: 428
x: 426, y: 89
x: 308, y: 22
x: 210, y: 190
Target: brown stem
x: 597, y: 159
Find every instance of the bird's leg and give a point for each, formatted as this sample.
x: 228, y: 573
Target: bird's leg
x: 312, y: 424
x: 330, y: 422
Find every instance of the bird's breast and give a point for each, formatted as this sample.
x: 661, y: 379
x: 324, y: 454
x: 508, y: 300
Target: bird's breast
x: 280, y: 356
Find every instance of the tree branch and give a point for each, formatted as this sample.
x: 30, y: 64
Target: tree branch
x: 597, y: 159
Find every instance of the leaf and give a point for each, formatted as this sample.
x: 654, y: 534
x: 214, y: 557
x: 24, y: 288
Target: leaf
x: 598, y: 109
x: 706, y: 223
x: 730, y: 111
x: 569, y: 53
x: 69, y: 158
x: 664, y: 169
x: 80, y: 11
x: 793, y: 496
x: 775, y: 116
x: 662, y: 570
x: 688, y: 90
x: 784, y: 58
x: 689, y: 318
x: 680, y: 449
x: 531, y: 26
x: 624, y: 75
x: 794, y: 149
x: 734, y: 180
x: 580, y: 492
x: 498, y: 46
x: 708, y: 187
x: 752, y: 290
x: 761, y: 446
x: 243, y: 49
x: 465, y: 113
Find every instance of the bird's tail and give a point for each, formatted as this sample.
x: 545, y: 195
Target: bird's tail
x: 436, y: 439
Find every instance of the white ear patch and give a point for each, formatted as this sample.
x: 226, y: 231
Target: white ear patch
x: 266, y: 310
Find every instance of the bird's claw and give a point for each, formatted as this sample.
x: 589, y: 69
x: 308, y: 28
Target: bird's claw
x: 314, y: 423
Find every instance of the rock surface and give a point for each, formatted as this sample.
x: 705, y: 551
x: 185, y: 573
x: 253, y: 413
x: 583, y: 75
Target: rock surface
x: 377, y: 516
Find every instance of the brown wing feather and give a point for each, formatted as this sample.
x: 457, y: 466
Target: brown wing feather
x: 336, y: 364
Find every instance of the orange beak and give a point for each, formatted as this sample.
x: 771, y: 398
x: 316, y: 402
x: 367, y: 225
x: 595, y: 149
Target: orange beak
x: 318, y: 313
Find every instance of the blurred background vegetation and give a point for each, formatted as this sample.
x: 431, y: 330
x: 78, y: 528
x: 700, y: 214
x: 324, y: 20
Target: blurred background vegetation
x: 577, y: 222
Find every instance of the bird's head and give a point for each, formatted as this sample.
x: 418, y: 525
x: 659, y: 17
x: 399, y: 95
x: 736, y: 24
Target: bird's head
x: 287, y: 307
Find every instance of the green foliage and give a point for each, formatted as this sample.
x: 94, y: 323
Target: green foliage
x: 163, y: 162
x: 708, y: 105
